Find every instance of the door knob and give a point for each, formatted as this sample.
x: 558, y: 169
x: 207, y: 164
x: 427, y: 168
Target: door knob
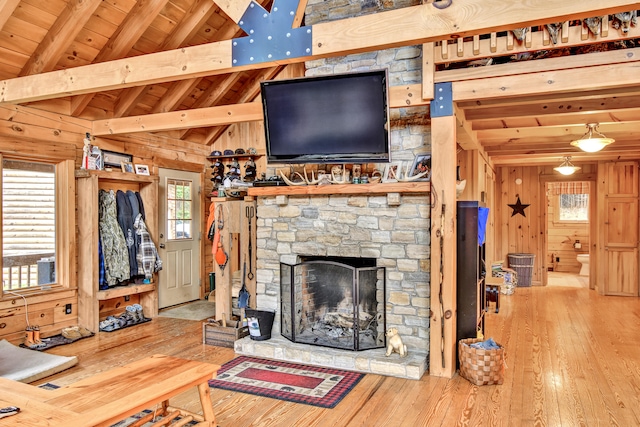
x: 161, y: 245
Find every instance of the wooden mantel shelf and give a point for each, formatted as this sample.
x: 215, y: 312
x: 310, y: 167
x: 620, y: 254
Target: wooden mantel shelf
x: 340, y: 189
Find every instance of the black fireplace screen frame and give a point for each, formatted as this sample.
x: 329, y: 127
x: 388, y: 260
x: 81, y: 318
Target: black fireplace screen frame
x: 337, y: 319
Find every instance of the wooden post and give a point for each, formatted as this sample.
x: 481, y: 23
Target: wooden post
x: 443, y: 343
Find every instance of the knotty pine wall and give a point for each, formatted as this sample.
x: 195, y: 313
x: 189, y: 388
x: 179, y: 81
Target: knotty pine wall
x: 527, y: 234
x: 46, y: 134
x: 481, y: 186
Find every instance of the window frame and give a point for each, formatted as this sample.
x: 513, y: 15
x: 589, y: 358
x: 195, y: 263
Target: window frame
x: 556, y: 216
x: 65, y: 223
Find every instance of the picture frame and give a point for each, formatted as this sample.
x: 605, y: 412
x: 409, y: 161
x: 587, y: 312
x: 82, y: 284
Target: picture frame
x: 127, y: 167
x: 391, y: 172
x: 142, y: 169
x: 115, y: 159
x: 422, y: 163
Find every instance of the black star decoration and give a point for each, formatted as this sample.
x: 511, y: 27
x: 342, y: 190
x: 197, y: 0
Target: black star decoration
x: 518, y: 208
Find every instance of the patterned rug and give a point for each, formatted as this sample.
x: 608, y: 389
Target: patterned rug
x: 311, y: 385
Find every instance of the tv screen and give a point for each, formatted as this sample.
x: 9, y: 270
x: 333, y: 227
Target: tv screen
x: 341, y: 118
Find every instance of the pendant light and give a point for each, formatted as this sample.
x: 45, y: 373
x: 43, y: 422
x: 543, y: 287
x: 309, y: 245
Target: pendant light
x: 593, y: 140
x: 567, y: 168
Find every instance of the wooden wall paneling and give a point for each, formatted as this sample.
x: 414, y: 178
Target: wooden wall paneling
x: 6, y: 10
x: 521, y: 234
x: 69, y: 21
x: 36, y: 14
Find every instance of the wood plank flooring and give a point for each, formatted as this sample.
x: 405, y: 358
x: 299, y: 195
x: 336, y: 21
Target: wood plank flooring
x: 573, y: 360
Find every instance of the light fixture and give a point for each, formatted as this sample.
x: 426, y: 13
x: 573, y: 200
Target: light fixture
x: 593, y: 140
x: 567, y: 168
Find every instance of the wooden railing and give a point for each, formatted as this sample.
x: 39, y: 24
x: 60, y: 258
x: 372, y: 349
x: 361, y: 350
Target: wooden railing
x: 21, y: 271
x: 569, y: 34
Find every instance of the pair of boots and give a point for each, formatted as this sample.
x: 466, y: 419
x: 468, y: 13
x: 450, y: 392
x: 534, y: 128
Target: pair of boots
x: 134, y: 314
x: 32, y: 337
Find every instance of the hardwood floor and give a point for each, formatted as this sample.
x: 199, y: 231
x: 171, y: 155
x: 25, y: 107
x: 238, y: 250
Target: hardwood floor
x: 572, y: 355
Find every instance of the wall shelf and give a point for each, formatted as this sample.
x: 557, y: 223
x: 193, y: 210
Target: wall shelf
x: 339, y: 189
x: 90, y: 298
x: 122, y: 291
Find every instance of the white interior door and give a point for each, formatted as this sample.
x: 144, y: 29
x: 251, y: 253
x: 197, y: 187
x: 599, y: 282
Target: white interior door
x: 179, y: 243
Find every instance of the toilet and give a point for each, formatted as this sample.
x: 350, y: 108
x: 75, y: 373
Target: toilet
x: 584, y: 260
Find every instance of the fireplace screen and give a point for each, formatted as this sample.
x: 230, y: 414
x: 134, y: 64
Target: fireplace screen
x: 334, y: 304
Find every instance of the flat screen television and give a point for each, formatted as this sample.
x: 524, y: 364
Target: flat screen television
x: 340, y: 118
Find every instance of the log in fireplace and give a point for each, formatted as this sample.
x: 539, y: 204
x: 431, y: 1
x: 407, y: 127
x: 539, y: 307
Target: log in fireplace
x: 336, y: 302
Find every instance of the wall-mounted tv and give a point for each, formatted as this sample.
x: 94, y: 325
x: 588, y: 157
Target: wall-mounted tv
x: 340, y: 118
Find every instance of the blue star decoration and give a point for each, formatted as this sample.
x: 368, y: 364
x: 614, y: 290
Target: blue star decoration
x: 270, y: 35
x: 518, y: 208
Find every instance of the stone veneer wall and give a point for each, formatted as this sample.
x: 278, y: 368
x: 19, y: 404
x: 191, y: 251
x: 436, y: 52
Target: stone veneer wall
x: 353, y: 226
x: 410, y: 127
x: 397, y: 234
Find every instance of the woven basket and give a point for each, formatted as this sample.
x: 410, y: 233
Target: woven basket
x: 480, y: 367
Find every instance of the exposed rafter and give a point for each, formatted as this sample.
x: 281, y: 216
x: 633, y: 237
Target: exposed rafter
x: 335, y: 38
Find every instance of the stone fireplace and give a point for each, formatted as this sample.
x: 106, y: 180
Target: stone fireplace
x: 336, y: 302
x: 393, y: 229
x: 387, y: 232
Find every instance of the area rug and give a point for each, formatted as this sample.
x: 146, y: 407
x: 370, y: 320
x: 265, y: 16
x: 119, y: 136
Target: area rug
x: 311, y: 385
x: 21, y: 364
x: 197, y: 310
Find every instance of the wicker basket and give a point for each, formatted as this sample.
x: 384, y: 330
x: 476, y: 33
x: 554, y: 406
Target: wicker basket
x: 480, y: 367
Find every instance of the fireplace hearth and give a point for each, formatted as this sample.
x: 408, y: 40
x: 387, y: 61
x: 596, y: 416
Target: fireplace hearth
x: 336, y: 302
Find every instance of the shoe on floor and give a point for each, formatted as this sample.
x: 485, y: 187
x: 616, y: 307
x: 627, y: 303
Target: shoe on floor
x: 71, y: 333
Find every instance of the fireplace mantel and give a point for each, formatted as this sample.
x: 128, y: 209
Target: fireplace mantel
x: 338, y: 189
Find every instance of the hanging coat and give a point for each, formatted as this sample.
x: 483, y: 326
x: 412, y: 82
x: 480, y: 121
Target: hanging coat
x: 125, y: 219
x: 148, y: 259
x: 114, y: 247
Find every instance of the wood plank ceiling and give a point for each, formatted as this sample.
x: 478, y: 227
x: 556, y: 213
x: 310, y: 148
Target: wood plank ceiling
x: 40, y: 36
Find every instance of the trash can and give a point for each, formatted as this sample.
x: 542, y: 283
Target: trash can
x: 260, y: 323
x: 523, y: 266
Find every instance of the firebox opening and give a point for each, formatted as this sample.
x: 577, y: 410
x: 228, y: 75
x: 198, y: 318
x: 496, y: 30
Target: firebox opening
x: 334, y: 302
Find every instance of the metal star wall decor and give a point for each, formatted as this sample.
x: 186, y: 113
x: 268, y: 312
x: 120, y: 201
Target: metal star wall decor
x: 518, y: 208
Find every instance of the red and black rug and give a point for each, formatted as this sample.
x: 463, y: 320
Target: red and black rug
x: 311, y: 385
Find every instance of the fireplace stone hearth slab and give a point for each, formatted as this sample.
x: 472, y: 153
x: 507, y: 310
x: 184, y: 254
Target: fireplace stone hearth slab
x: 413, y: 366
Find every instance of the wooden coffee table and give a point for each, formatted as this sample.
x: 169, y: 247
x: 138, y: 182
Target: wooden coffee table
x: 111, y: 396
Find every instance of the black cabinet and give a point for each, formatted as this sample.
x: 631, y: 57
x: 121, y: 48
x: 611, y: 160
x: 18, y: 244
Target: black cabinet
x: 470, y: 270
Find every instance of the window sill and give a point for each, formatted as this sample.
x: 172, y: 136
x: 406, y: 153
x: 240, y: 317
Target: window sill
x: 9, y: 299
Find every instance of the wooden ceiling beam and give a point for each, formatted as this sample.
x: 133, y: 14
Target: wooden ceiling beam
x: 607, y: 76
x: 399, y: 96
x: 120, y: 44
x: 61, y: 34
x: 564, y: 131
x: 201, y: 117
x: 364, y: 33
x: 550, y: 109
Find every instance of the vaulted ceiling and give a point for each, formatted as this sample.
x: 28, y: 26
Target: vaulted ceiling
x: 515, y: 112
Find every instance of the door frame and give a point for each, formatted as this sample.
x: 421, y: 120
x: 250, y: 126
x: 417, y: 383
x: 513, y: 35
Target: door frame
x: 199, y: 185
x: 593, y: 204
